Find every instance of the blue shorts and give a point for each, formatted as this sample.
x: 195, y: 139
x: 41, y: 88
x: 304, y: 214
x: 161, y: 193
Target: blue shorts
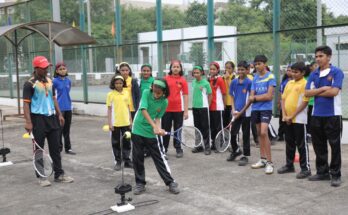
x: 261, y: 116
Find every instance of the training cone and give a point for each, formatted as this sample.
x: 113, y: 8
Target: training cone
x: 26, y: 136
x: 297, y: 158
x: 106, y: 128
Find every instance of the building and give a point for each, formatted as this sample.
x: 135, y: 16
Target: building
x: 337, y: 39
x: 225, y: 48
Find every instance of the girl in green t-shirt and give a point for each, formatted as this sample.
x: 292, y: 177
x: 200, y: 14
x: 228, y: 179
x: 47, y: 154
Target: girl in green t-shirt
x: 201, y: 99
x: 147, y: 124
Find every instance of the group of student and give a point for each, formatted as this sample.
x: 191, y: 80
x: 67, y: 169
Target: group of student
x: 149, y: 107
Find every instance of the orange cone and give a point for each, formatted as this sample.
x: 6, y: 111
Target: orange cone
x: 297, y: 158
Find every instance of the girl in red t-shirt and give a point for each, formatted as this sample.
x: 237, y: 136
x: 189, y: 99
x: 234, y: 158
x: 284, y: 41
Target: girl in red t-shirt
x: 177, y: 109
x: 217, y: 104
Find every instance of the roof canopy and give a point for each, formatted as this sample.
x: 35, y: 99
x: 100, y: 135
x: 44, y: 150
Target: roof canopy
x: 59, y: 33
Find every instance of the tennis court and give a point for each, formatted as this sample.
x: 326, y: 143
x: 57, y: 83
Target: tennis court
x: 209, y: 184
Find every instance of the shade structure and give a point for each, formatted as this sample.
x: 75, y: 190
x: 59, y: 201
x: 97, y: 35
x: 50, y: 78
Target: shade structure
x: 54, y: 32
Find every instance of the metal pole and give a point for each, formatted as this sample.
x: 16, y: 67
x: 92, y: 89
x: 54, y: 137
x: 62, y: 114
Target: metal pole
x: 159, y: 38
x: 90, y: 54
x: 17, y: 72
x: 319, y: 23
x: 58, y: 52
x: 9, y: 57
x: 338, y: 51
x: 118, y: 38
x: 82, y: 51
x: 210, y: 28
x: 276, y: 47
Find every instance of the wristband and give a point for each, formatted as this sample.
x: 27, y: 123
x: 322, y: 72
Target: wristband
x: 254, y: 99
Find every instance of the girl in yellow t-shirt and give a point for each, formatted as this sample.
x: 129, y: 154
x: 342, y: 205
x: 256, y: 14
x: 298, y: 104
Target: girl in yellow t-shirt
x: 119, y: 120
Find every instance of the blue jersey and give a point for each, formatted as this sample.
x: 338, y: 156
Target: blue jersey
x: 240, y: 93
x: 62, y: 87
x: 326, y: 106
x: 283, y: 85
x: 260, y: 85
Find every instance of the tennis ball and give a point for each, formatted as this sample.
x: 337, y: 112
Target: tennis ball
x: 26, y: 136
x: 128, y: 135
x: 106, y: 128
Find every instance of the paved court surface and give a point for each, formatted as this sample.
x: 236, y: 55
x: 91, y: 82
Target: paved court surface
x: 209, y: 184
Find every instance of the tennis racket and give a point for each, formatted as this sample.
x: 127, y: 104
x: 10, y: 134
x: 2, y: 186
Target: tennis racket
x: 223, y: 138
x: 188, y: 136
x: 42, y: 162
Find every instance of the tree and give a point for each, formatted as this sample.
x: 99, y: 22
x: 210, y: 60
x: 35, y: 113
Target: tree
x: 197, y: 54
x: 196, y: 14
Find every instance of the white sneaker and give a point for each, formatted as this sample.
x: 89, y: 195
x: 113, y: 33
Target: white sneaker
x: 259, y: 164
x: 269, y: 168
x: 44, y: 182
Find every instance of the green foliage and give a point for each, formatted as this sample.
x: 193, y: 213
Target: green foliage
x: 197, y: 54
x: 196, y: 14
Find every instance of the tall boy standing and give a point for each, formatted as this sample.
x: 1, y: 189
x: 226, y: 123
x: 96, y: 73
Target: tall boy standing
x: 325, y: 84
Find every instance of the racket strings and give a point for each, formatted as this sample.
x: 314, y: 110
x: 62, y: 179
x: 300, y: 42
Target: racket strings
x: 191, y: 136
x: 42, y: 163
x: 222, y: 140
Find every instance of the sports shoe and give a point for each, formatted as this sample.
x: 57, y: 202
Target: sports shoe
x: 173, y: 188
x: 207, y: 151
x: 243, y: 161
x: 269, y: 168
x: 44, y: 182
x: 139, y: 189
x: 64, y: 179
x: 336, y: 181
x: 70, y: 152
x: 117, y: 167
x: 286, y: 169
x: 234, y: 155
x: 303, y: 174
x: 179, y: 153
x: 259, y: 164
x: 197, y: 150
x: 128, y: 164
x: 321, y: 177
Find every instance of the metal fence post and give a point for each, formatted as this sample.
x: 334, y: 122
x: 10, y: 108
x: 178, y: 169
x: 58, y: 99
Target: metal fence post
x: 159, y: 38
x: 82, y: 51
x: 118, y: 36
x: 210, y: 21
x: 276, y: 48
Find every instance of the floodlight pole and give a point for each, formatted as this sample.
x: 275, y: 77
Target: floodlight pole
x: 276, y: 47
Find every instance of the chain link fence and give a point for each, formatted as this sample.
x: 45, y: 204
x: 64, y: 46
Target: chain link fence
x: 242, y: 29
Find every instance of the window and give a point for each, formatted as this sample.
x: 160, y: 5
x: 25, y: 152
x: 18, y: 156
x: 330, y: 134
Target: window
x: 342, y: 46
x: 145, y: 51
x: 218, y: 51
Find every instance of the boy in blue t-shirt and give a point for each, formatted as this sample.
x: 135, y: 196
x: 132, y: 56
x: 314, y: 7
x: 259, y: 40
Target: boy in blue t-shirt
x: 239, y: 91
x: 261, y: 95
x: 325, y: 84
